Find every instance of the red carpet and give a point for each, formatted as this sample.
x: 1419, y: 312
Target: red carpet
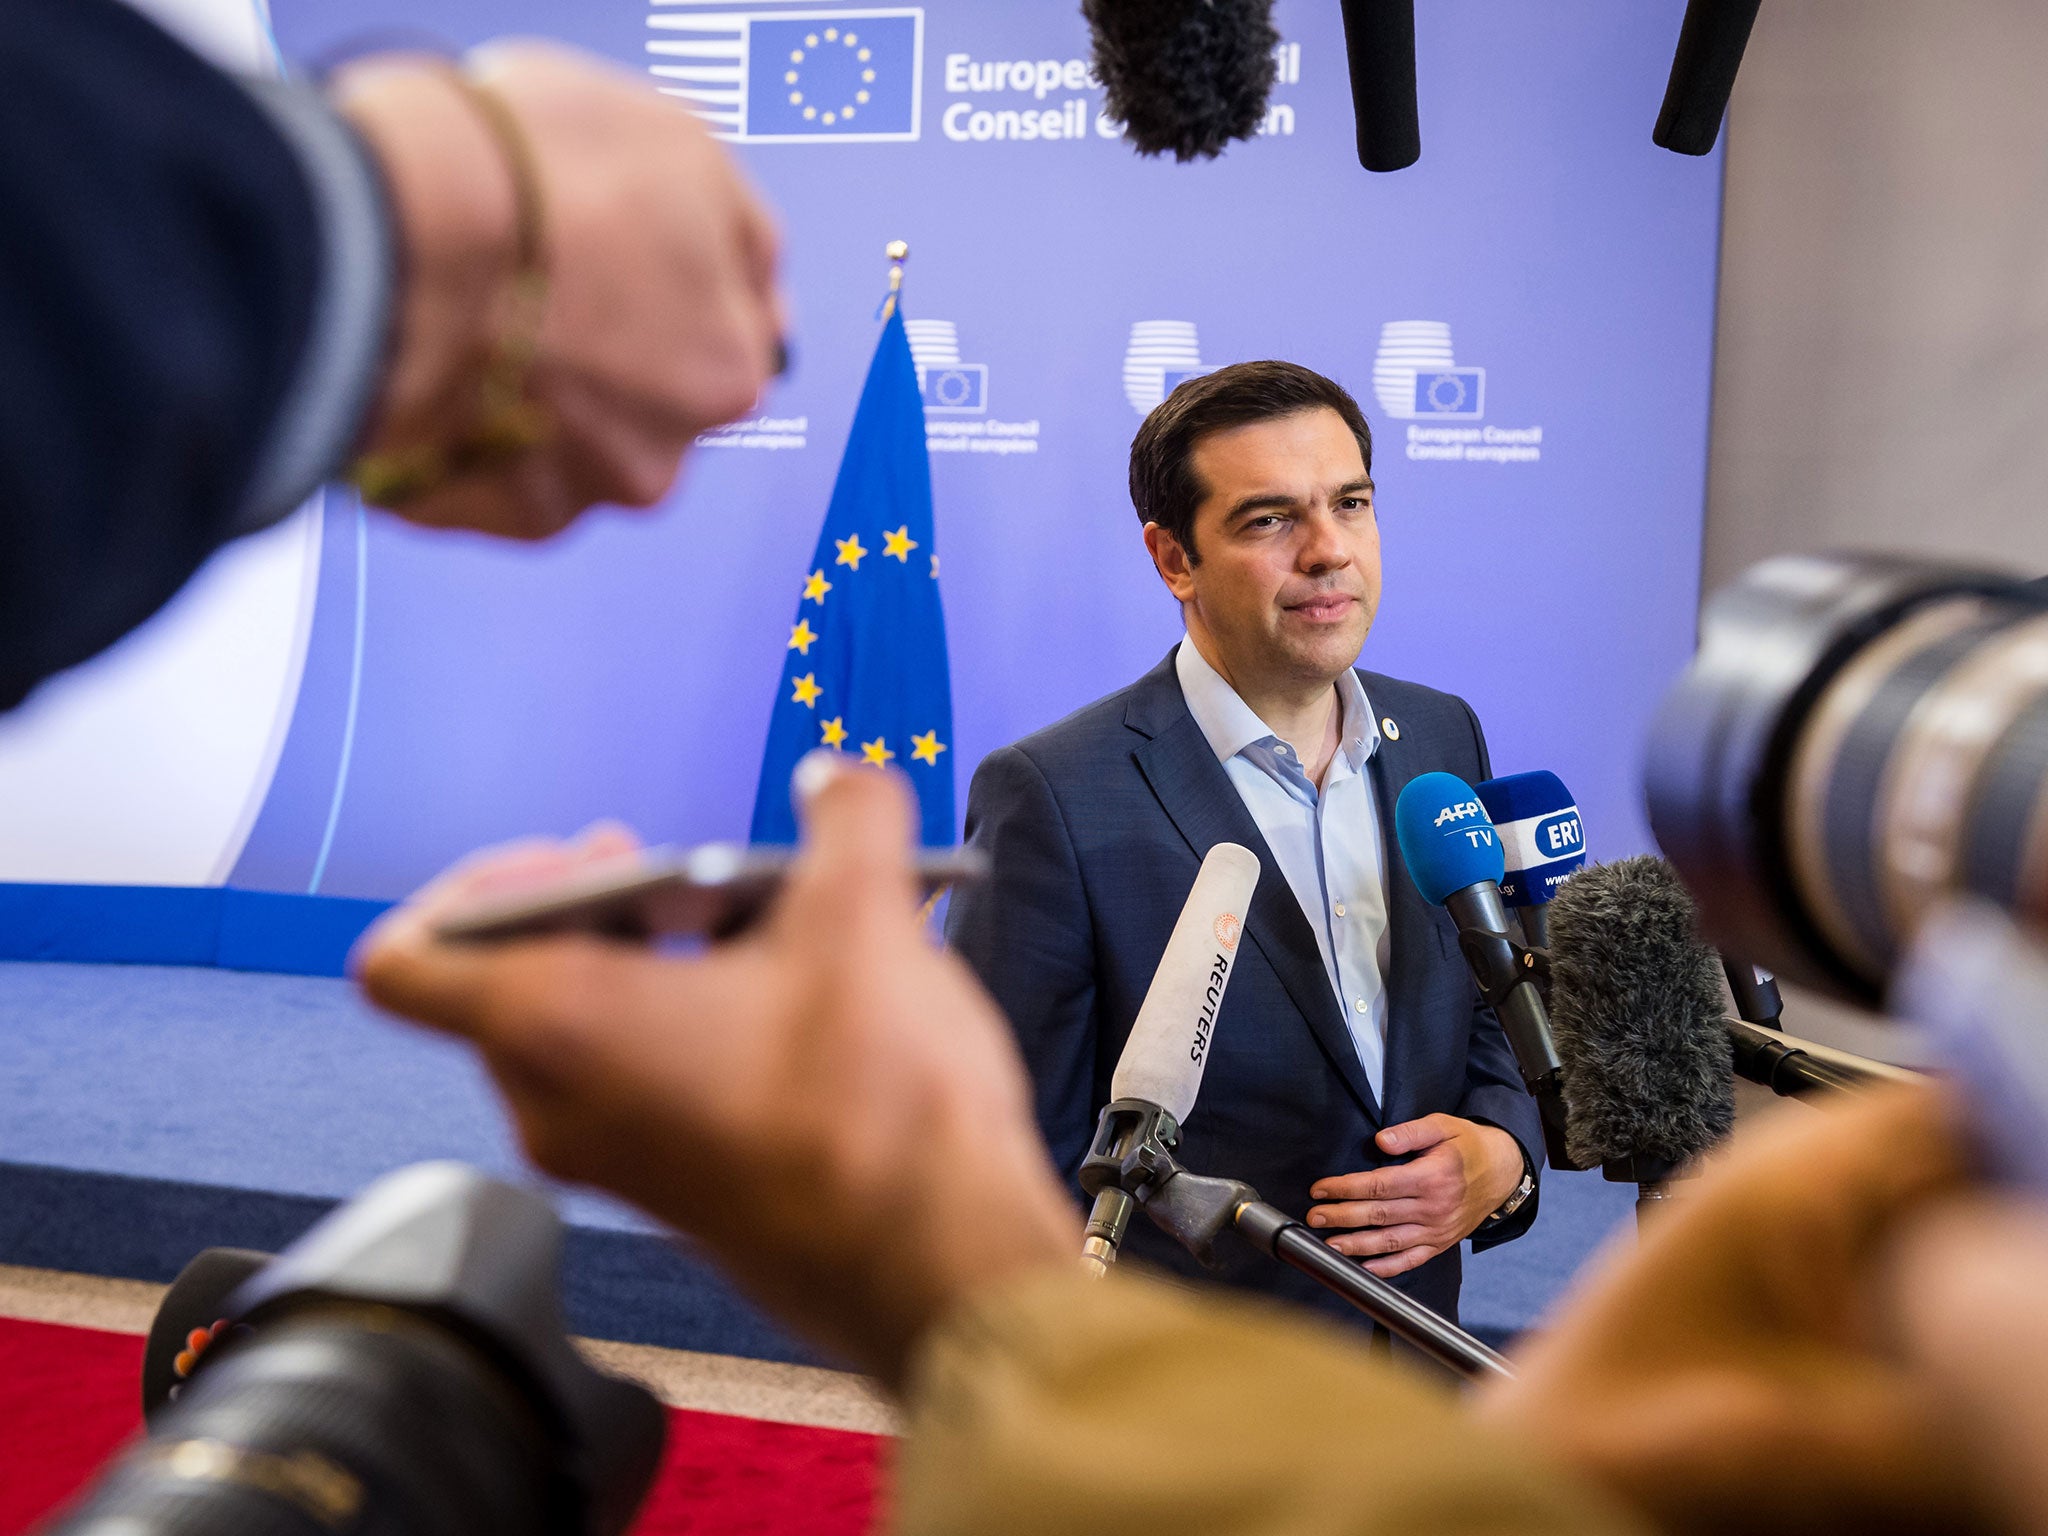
x: 68, y: 1398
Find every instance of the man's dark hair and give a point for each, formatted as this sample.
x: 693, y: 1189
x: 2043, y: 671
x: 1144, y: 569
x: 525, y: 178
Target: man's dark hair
x: 1164, y: 486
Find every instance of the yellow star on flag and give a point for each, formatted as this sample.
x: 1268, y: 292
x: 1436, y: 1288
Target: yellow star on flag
x: 935, y: 567
x: 877, y: 752
x: 803, y: 637
x: 926, y: 748
x: 807, y: 691
x: 850, y: 552
x: 816, y: 588
x: 899, y: 543
x: 834, y: 732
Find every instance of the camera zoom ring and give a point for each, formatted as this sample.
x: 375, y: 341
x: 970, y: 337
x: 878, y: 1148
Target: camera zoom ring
x: 2003, y: 805
x: 1849, y: 822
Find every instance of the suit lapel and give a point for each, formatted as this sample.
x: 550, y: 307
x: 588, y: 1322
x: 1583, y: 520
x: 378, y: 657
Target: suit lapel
x: 1412, y: 945
x: 1205, y: 808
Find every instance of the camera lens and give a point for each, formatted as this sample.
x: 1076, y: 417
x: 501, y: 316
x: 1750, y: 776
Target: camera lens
x: 350, y: 1418
x: 1857, y: 735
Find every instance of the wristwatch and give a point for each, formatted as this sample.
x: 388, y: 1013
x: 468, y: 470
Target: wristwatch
x: 1518, y: 1198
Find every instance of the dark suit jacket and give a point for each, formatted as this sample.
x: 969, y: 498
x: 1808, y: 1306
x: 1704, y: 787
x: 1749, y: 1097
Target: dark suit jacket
x: 1096, y: 827
x: 160, y: 265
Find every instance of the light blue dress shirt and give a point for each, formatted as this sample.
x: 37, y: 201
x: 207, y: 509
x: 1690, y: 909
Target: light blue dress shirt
x: 1328, y: 842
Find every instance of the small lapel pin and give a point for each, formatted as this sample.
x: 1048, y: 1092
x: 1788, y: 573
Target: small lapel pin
x: 1388, y: 729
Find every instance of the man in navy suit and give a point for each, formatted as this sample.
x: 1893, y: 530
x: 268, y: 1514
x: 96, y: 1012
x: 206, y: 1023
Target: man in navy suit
x: 1354, y: 1077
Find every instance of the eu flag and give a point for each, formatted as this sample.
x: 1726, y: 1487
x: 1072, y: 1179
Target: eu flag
x: 866, y: 671
x: 836, y: 75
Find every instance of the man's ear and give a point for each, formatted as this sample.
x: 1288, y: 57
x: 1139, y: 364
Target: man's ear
x: 1170, y: 559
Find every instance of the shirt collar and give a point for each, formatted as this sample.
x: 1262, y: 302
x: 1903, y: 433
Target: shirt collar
x: 1229, y: 725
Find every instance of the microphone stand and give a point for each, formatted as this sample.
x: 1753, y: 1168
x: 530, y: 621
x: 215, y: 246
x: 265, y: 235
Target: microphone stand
x: 1510, y: 977
x: 1777, y: 1062
x: 1130, y: 1160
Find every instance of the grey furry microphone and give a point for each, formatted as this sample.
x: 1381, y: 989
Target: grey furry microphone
x: 1635, y: 1004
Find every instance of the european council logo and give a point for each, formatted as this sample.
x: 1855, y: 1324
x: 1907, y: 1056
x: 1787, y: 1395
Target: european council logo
x: 792, y: 76
x: 1415, y: 375
x: 1161, y: 355
x: 949, y: 386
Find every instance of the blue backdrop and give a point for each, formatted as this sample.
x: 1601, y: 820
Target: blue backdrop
x: 1526, y: 316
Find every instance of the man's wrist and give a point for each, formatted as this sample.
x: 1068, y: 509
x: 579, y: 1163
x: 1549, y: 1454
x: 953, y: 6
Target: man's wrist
x: 1520, y: 1190
x: 1518, y: 1178
x: 457, y: 213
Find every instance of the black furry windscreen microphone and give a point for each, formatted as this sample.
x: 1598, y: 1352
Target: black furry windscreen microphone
x: 1635, y: 1003
x: 1184, y: 76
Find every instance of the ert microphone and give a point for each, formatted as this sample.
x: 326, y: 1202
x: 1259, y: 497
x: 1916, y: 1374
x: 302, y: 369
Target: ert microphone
x: 1710, y: 44
x: 1379, y: 47
x: 1454, y: 856
x: 1184, y: 75
x: 1160, y: 1071
x: 1542, y: 840
x: 1636, y: 1001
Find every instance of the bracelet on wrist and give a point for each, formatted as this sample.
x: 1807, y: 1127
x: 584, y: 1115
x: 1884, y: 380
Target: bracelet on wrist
x: 506, y: 423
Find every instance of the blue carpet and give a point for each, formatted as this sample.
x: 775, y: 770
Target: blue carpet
x: 153, y: 1111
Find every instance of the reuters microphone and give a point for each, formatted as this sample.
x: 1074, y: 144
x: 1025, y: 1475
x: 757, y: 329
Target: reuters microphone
x: 1453, y: 855
x: 1542, y: 841
x: 1160, y: 1071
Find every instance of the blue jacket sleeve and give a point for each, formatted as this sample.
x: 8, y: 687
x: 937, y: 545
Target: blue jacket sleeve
x: 173, y: 369
x: 1027, y: 934
x: 1494, y: 1094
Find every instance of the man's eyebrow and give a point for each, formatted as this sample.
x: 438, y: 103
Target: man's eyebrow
x: 1271, y: 501
x: 1279, y: 501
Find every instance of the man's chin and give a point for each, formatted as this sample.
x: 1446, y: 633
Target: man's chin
x: 1327, y: 655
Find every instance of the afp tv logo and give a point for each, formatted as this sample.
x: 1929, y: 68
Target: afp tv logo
x: 817, y: 75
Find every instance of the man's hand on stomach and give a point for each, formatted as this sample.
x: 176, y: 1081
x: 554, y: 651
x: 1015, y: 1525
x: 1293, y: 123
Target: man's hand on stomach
x: 1406, y: 1214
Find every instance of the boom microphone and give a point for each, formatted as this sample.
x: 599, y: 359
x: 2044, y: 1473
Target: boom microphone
x: 1379, y: 47
x: 1454, y: 856
x: 1160, y: 1071
x: 1636, y: 1001
x: 1710, y: 44
x: 1184, y: 75
x: 1542, y: 840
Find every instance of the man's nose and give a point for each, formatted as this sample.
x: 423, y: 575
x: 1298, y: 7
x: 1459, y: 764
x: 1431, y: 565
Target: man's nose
x: 1323, y: 545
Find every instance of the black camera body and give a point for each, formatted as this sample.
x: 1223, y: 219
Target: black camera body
x: 403, y: 1367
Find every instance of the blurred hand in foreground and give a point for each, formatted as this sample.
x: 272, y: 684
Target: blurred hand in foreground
x: 1736, y: 1369
x: 1965, y: 1291
x: 662, y: 314
x: 830, y: 1103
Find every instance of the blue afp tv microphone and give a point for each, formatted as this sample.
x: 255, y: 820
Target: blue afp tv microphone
x: 1542, y: 840
x: 1454, y: 855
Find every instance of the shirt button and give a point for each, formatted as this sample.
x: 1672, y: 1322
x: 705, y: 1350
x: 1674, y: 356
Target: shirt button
x: 1279, y: 751
x: 1340, y: 909
x: 1361, y: 1005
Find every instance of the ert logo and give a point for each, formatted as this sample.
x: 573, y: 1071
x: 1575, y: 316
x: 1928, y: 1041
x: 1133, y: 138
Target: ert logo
x: 1560, y: 836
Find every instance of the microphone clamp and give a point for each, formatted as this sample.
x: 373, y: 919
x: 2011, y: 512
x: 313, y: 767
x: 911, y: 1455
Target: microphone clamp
x: 1129, y: 1158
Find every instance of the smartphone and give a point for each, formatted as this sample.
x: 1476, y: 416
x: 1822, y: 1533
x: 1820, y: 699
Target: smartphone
x: 714, y: 892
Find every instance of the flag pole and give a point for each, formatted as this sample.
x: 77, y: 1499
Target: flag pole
x: 898, y: 252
